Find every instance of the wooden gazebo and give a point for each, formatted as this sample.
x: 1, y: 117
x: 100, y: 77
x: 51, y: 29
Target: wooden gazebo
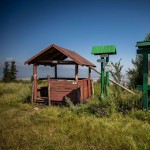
x: 58, y: 89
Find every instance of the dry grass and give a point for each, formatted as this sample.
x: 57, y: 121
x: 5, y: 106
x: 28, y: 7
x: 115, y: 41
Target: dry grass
x: 65, y: 128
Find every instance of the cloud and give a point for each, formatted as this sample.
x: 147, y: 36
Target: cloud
x: 9, y: 59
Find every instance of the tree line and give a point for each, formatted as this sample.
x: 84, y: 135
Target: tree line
x: 9, y: 72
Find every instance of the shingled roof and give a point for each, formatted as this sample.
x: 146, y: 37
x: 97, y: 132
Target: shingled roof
x: 56, y: 53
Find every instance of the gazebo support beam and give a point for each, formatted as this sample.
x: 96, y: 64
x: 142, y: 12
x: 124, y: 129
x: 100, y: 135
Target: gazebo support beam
x: 76, y: 73
x: 55, y: 71
x: 35, y: 82
x: 89, y: 75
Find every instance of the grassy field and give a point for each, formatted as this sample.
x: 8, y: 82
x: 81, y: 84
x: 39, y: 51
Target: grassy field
x: 112, y: 124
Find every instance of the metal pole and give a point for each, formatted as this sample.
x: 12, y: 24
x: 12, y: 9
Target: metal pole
x: 107, y: 77
x: 102, y: 80
x: 145, y: 81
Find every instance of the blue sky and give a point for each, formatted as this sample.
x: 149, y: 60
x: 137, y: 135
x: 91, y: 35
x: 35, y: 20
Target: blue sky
x: 28, y: 26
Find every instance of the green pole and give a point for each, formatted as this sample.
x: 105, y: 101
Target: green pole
x: 145, y: 81
x: 102, y: 80
x: 107, y: 77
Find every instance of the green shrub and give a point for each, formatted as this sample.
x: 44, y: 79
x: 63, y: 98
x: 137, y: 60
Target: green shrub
x: 125, y: 101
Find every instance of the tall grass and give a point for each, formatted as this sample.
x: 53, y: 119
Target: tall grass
x: 95, y: 125
x: 12, y: 93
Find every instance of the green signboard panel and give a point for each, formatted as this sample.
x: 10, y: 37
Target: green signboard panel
x: 108, y: 49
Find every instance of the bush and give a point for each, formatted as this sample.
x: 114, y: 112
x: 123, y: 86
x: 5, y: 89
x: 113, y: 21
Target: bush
x: 125, y: 101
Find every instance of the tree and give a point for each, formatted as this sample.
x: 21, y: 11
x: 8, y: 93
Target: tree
x: 135, y: 75
x: 6, y: 73
x: 13, y: 71
x: 147, y: 38
x: 116, y: 71
x: 9, y: 72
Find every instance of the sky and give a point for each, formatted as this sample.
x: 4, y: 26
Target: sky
x: 29, y: 26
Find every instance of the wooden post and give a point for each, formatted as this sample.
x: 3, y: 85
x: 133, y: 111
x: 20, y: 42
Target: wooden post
x: 83, y: 92
x: 56, y: 71
x: 49, y: 90
x: 35, y: 81
x: 76, y: 73
x: 32, y: 98
x: 92, y: 89
x: 89, y: 82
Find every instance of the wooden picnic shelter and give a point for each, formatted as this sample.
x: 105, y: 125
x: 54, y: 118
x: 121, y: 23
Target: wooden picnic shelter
x: 57, y: 89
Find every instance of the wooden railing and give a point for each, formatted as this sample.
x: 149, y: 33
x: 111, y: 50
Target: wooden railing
x: 58, y: 89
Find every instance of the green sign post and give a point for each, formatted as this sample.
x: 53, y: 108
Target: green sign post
x: 104, y: 52
x: 144, y: 49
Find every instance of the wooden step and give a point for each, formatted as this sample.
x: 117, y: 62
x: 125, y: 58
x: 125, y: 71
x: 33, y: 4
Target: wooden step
x: 42, y: 99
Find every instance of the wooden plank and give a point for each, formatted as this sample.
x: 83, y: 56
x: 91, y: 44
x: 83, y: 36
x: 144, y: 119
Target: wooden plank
x: 84, y: 89
x: 61, y: 95
x: 60, y: 62
x: 63, y: 83
x: 89, y: 88
x: 62, y: 79
x: 62, y: 90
